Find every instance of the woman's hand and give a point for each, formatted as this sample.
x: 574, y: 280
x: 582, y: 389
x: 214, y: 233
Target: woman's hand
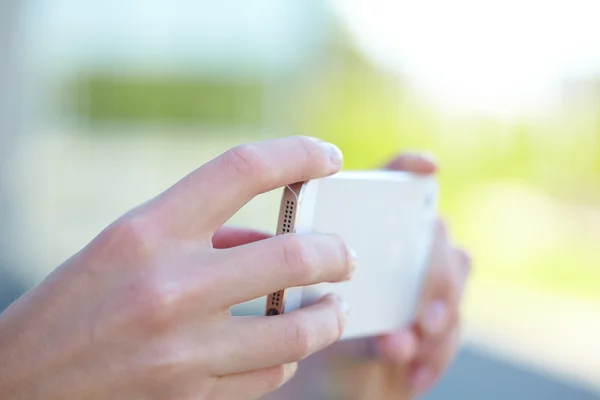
x: 421, y: 353
x: 143, y: 311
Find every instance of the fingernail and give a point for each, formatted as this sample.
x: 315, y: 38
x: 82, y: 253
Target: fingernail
x: 342, y: 303
x: 335, y: 154
x: 422, y: 379
x: 345, y: 307
x: 434, y: 320
x: 289, y: 370
x: 352, y: 255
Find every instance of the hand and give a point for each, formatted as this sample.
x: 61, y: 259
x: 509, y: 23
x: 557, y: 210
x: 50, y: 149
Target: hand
x: 143, y: 311
x: 422, y: 352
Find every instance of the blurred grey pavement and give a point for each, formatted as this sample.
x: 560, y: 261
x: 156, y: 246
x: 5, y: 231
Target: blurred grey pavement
x: 478, y: 376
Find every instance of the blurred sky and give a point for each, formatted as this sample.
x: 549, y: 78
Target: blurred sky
x: 502, y: 57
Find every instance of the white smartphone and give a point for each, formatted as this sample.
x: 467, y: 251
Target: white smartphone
x: 388, y: 219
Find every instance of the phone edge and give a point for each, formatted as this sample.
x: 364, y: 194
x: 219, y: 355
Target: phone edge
x: 289, y: 211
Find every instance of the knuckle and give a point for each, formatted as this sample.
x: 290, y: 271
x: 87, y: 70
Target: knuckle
x: 247, y: 161
x: 154, y: 303
x: 299, y: 257
x: 135, y: 235
x: 300, y: 340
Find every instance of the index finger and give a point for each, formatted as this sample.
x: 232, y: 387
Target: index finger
x: 205, y: 199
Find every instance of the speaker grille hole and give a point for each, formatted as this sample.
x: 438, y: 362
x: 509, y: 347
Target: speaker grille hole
x: 286, y: 226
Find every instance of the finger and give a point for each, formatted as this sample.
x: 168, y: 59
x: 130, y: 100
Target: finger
x: 433, y: 361
x: 417, y: 163
x: 204, y: 200
x: 439, y: 300
x: 254, y: 384
x: 284, y: 261
x: 398, y: 347
x: 251, y: 343
x: 228, y: 237
x: 463, y: 269
x: 435, y: 347
x: 445, y: 287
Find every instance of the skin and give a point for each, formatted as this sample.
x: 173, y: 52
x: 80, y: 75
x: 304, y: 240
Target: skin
x: 142, y: 312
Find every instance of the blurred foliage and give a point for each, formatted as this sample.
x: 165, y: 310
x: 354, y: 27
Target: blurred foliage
x: 167, y: 99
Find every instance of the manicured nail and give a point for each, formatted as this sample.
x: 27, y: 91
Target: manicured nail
x: 422, y: 379
x: 435, y: 317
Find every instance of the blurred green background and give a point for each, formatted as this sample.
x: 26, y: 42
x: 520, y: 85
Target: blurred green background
x: 124, y: 98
